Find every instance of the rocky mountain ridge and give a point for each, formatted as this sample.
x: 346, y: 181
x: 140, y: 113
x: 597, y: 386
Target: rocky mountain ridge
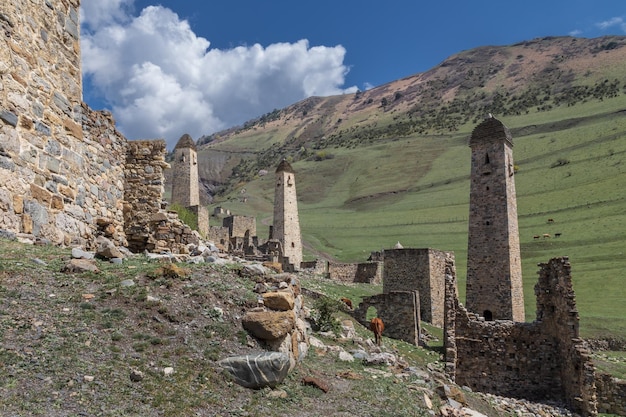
x: 536, y: 75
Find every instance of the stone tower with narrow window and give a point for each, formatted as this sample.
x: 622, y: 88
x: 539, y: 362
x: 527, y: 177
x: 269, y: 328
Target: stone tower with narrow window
x: 185, y: 188
x: 286, y: 227
x: 494, y: 270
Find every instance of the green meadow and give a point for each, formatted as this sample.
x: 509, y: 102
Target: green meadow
x: 571, y: 167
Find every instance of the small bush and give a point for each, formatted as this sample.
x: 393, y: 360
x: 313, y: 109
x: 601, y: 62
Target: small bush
x: 325, y: 309
x: 186, y: 216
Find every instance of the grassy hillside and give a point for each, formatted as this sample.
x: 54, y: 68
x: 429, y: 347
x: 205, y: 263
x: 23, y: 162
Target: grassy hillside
x: 392, y: 164
x: 415, y: 190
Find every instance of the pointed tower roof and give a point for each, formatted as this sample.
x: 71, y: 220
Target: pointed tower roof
x: 284, y: 166
x: 185, y: 141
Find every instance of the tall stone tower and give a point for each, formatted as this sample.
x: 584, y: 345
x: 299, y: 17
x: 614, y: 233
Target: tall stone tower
x: 185, y: 188
x: 286, y: 227
x: 494, y: 271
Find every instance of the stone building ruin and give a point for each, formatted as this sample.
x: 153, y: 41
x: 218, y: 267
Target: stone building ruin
x: 421, y: 270
x: 542, y: 360
x: 67, y: 175
x: 488, y: 346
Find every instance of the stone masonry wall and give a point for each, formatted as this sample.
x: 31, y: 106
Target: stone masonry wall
x: 542, y: 360
x: 148, y: 226
x: 366, y: 272
x: 240, y: 226
x: 60, y: 164
x: 611, y: 394
x: 399, y: 311
x: 422, y: 270
x: 369, y: 273
x: 220, y: 237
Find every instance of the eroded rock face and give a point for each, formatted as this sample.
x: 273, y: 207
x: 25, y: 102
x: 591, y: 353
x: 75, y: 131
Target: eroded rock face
x: 269, y: 325
x: 266, y: 369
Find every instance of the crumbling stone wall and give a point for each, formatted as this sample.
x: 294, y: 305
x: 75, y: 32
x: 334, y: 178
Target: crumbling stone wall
x: 399, y: 311
x: 318, y: 266
x: 422, y: 270
x: 60, y: 164
x: 240, y: 226
x: 66, y: 174
x: 365, y: 272
x: 611, y: 394
x: 220, y: 236
x: 148, y: 226
x: 542, y: 360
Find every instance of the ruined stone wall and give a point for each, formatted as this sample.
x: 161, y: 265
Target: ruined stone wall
x: 318, y: 266
x: 342, y: 272
x: 240, y: 226
x: 542, y: 360
x: 399, y: 311
x: 611, y: 394
x: 219, y: 235
x: 369, y: 273
x: 422, y: 270
x: 366, y: 272
x: 148, y: 226
x: 60, y: 169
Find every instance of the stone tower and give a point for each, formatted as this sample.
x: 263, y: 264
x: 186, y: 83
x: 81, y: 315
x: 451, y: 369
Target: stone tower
x: 185, y: 188
x: 494, y: 271
x: 286, y: 227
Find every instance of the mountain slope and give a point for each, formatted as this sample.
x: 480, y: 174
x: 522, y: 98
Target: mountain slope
x: 371, y: 172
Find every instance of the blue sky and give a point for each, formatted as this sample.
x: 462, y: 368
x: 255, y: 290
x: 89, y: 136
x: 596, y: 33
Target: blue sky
x: 165, y: 68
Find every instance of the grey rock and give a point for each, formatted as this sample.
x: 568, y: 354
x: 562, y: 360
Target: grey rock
x: 127, y: 283
x: 136, y: 375
x: 383, y: 358
x: 6, y: 234
x: 80, y: 265
x: 267, y: 369
x: 78, y: 253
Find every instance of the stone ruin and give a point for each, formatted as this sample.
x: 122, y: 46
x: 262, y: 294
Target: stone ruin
x: 539, y: 361
x: 67, y: 175
x: 186, y: 183
x: 238, y: 236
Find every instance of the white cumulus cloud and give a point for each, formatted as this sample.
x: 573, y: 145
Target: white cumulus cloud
x: 614, y: 21
x: 162, y: 80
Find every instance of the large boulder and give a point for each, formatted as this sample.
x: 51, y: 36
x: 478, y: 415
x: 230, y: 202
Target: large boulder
x: 279, y: 300
x: 266, y: 369
x: 269, y: 325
